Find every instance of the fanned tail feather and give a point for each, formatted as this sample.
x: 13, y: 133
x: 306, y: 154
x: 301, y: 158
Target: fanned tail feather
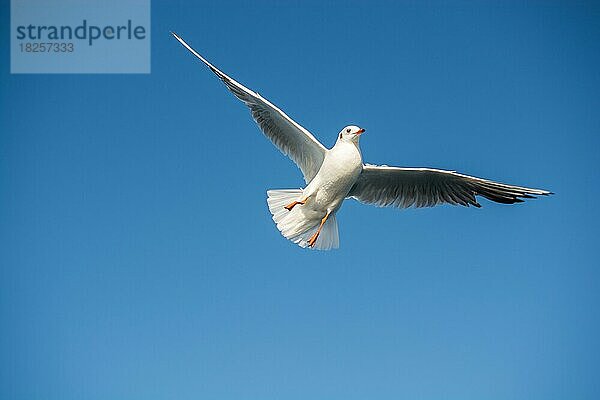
x: 296, y: 226
x: 328, y: 238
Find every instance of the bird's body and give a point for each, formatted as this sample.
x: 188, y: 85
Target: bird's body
x: 338, y: 173
x: 323, y: 196
x: 308, y: 216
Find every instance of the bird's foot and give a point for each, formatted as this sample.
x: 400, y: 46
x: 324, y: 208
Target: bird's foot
x: 313, y: 238
x: 294, y: 204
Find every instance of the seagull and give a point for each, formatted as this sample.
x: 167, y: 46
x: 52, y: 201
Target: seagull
x: 307, y: 216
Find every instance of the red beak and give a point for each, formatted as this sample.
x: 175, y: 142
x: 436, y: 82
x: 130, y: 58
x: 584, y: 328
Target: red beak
x: 360, y: 131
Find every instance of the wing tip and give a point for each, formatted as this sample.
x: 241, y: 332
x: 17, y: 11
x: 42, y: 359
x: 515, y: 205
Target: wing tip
x: 176, y: 36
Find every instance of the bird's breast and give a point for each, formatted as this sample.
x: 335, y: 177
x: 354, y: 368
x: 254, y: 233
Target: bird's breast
x: 337, y: 175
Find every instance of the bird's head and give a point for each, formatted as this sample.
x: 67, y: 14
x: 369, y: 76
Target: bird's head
x: 350, y: 133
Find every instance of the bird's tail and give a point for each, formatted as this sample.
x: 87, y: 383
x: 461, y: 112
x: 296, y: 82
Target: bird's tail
x: 298, y: 225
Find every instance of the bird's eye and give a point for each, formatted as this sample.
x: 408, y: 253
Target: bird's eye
x: 348, y: 130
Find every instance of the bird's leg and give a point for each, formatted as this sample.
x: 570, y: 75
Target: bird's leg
x: 294, y: 204
x: 313, y: 238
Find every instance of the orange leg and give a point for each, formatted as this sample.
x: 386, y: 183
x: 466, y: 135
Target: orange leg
x: 313, y: 238
x: 294, y: 204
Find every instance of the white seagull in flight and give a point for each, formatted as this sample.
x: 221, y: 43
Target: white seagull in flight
x: 307, y: 216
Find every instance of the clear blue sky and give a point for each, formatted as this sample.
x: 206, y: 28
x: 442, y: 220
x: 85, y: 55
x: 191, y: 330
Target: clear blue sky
x: 139, y: 259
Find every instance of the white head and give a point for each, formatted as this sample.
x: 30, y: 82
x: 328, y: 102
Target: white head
x: 350, y: 133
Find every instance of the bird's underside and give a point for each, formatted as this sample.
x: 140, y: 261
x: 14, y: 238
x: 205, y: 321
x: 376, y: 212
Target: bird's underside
x: 308, y: 216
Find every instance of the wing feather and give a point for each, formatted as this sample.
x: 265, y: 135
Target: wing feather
x: 286, y: 134
x: 385, y: 186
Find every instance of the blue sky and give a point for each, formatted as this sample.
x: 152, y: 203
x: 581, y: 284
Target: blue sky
x: 139, y: 259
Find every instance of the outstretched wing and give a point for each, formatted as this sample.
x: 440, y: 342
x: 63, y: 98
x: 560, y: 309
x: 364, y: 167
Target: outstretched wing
x: 289, y: 137
x: 425, y: 187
